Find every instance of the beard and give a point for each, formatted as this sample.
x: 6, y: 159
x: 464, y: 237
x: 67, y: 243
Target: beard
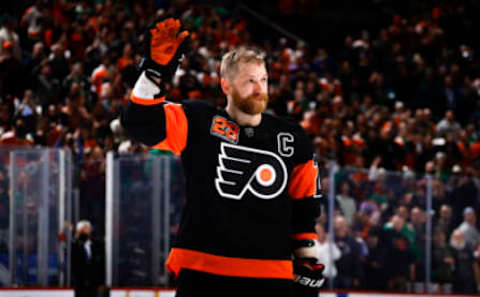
x: 252, y: 105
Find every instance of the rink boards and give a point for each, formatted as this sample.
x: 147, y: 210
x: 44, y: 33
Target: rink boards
x: 9, y: 292
x: 171, y: 293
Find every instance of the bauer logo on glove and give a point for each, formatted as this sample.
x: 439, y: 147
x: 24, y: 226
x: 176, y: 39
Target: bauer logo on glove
x: 306, y: 281
x: 310, y: 278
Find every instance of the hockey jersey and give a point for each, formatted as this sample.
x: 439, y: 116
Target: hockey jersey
x: 249, y: 190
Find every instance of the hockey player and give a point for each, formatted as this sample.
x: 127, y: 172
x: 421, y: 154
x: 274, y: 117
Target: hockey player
x: 252, y: 186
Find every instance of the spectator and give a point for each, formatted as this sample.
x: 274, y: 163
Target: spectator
x: 347, y: 203
x: 443, y: 262
x: 10, y: 71
x: 469, y: 227
x: 58, y: 62
x: 363, y: 219
x: 444, y: 222
x: 77, y: 76
x: 349, y: 266
x: 464, y: 276
x: 463, y: 194
x: 7, y: 33
x: 448, y: 125
x: 417, y: 227
x: 100, y: 74
x: 34, y: 18
x: 328, y: 252
x: 375, y: 262
x: 399, y: 258
x: 88, y: 262
x: 33, y: 62
x: 26, y: 111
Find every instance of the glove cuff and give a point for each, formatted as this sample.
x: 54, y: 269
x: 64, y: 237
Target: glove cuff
x: 307, y: 248
x: 147, y: 88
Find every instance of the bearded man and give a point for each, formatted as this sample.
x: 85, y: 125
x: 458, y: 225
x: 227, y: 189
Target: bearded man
x: 252, y: 186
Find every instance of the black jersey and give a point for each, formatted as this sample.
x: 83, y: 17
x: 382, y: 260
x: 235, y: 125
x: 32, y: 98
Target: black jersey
x: 249, y: 190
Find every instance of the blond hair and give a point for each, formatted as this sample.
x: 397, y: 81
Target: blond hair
x: 82, y: 224
x: 231, y: 60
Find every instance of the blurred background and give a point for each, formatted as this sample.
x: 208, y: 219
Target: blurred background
x: 388, y: 91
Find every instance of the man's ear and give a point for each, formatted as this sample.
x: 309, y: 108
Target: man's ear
x: 225, y: 84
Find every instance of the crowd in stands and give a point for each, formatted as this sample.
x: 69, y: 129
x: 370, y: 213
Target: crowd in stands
x: 403, y: 98
x: 381, y: 233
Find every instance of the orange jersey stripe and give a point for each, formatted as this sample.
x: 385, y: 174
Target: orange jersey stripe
x: 176, y: 129
x: 141, y: 101
x: 302, y: 236
x: 228, y: 266
x: 302, y: 180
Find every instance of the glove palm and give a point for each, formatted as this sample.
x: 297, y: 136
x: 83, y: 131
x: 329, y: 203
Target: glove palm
x: 165, y: 40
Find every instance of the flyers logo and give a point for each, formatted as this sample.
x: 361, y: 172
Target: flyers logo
x: 241, y: 169
x: 225, y: 129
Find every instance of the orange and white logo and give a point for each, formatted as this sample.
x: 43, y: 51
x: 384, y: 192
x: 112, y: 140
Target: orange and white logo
x: 241, y: 169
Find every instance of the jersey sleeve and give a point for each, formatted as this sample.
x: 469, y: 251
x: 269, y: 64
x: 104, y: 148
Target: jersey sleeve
x: 304, y: 190
x: 153, y: 120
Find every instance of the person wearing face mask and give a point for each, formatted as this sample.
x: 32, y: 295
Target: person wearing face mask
x: 87, y: 262
x: 464, y: 276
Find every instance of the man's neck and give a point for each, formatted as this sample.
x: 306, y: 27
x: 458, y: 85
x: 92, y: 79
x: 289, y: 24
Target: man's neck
x: 242, y: 118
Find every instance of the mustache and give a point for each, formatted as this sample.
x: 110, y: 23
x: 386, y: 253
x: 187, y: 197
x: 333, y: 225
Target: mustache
x: 261, y: 97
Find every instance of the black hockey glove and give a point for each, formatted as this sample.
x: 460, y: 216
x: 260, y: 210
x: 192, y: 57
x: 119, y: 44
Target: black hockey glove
x: 308, y: 273
x: 163, y: 49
